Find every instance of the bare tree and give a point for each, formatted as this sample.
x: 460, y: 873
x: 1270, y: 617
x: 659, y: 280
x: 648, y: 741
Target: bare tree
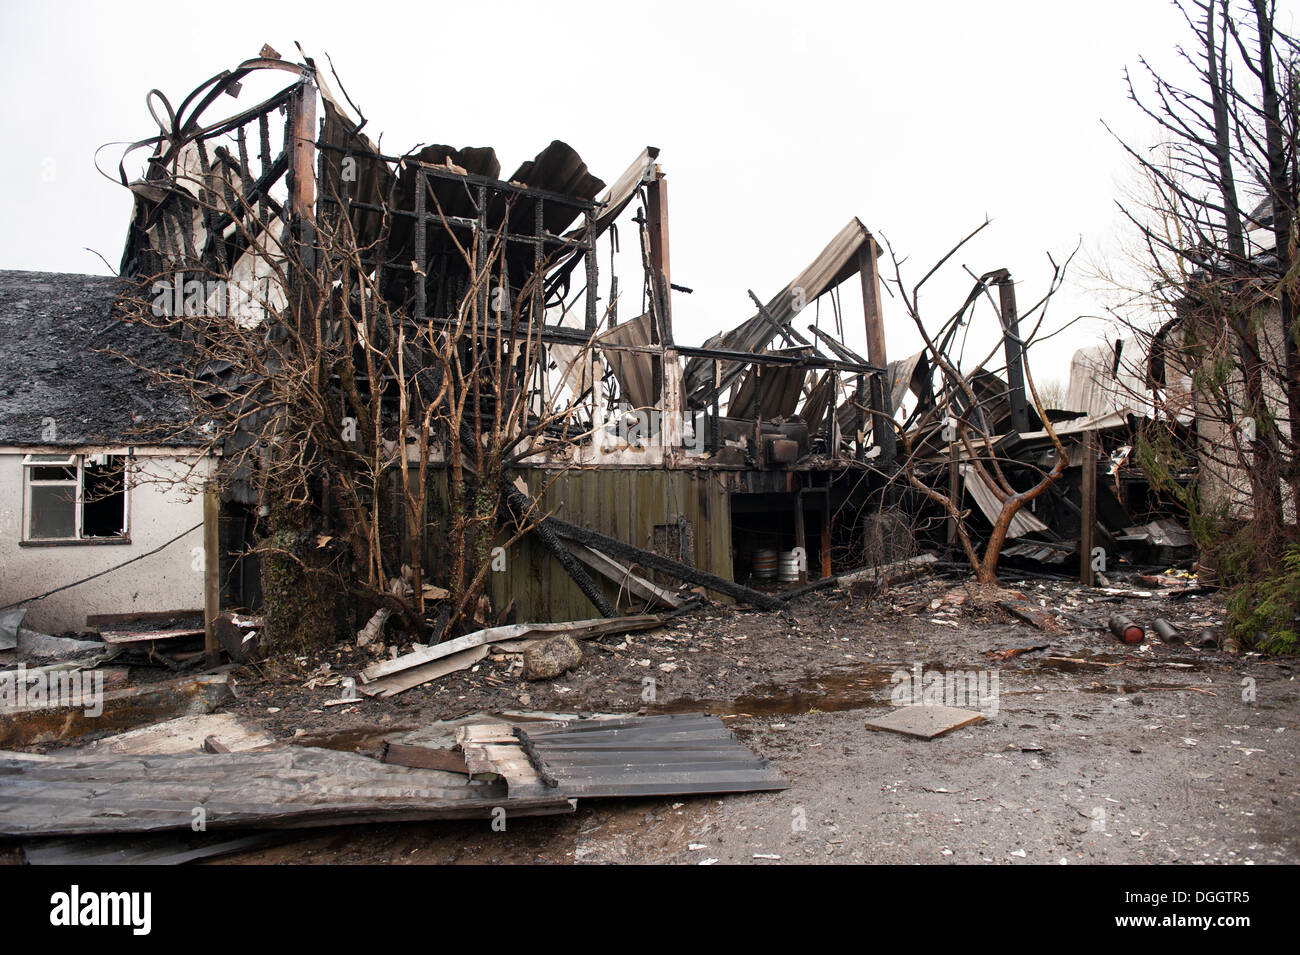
x: 961, y: 414
x: 1216, y: 237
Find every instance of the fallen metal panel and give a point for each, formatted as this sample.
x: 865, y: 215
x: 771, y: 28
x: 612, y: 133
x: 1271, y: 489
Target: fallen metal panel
x: 634, y: 370
x: 1022, y: 523
x: 903, y: 378
x: 646, y: 756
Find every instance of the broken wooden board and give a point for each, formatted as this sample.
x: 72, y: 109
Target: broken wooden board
x: 185, y: 734
x: 578, y: 629
x: 925, y: 722
x: 887, y: 574
x: 623, y: 576
x: 285, y: 788
x: 111, y: 712
x: 405, y: 680
x: 492, y: 748
x: 118, y: 637
x: 424, y: 757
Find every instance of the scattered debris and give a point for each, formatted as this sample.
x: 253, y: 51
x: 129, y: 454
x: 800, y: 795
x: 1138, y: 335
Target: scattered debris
x: 1034, y: 616
x: 507, y: 635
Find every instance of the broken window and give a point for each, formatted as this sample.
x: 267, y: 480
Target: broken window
x: 75, y: 497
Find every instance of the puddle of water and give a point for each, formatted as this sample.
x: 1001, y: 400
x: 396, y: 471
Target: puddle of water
x: 1127, y: 689
x: 360, y: 739
x: 843, y: 688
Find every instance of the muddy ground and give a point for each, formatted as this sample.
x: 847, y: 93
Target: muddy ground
x: 1093, y: 751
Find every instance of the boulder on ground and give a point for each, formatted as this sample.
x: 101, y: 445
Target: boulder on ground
x: 547, y: 659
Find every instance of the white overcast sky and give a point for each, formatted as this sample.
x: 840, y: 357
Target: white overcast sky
x: 777, y: 123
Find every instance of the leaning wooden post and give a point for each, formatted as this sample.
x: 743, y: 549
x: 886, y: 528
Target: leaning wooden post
x: 211, y: 574
x: 954, y: 488
x: 882, y: 411
x: 1088, y: 510
x: 1015, y: 352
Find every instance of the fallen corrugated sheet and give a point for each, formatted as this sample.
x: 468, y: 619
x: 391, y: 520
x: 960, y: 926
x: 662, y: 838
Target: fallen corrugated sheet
x: 1161, y: 533
x: 1043, y: 552
x: 291, y: 787
x: 162, y: 848
x: 907, y: 374
x: 782, y: 388
x: 646, y: 756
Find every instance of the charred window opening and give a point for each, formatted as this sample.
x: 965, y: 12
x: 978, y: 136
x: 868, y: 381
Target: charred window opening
x: 75, y: 497
x: 103, y: 500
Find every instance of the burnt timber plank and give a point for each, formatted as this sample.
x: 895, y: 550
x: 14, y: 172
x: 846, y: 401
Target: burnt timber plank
x: 628, y: 552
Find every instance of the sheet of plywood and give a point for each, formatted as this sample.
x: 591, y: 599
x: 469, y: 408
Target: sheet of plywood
x: 925, y: 722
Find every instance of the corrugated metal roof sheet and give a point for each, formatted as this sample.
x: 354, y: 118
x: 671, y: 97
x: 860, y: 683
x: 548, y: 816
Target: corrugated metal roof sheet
x: 833, y: 265
x: 646, y: 756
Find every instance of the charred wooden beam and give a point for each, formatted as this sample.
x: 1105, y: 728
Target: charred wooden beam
x: 882, y: 411
x: 1088, y: 512
x: 1015, y: 352
x: 520, y: 505
x: 80, y: 710
x: 673, y: 568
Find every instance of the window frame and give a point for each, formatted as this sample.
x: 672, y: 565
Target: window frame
x: 35, y: 460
